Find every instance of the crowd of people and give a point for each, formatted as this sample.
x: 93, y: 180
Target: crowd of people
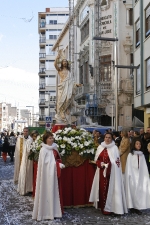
x: 123, y: 168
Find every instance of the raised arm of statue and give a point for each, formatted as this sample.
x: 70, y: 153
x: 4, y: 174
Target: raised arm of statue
x: 56, y: 62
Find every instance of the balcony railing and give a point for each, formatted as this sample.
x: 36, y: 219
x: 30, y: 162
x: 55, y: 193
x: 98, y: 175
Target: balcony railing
x: 41, y: 86
x: 82, y: 90
x: 42, y: 24
x: 42, y: 40
x: 42, y: 118
x: 42, y: 102
x: 42, y: 70
x: 42, y: 55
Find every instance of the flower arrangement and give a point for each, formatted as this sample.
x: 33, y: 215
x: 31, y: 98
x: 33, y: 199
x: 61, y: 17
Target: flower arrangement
x: 35, y: 147
x: 79, y: 140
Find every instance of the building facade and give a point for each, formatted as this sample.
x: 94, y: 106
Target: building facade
x: 50, y: 24
x: 94, y: 60
x: 142, y: 57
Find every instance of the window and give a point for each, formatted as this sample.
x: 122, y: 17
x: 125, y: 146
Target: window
x: 85, y: 31
x: 50, y: 65
x: 147, y: 21
x: 105, y: 68
x: 53, y: 36
x: 138, y: 81
x: 49, y: 50
x: 51, y: 81
x: 130, y: 16
x: 53, y: 22
x: 86, y: 72
x: 81, y: 75
x: 148, y: 73
x: 137, y: 28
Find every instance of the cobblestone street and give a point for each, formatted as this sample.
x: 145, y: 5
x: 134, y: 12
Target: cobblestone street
x: 17, y: 210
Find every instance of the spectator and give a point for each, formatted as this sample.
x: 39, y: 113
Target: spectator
x: 12, y: 144
x: 117, y: 138
x: 6, y: 149
x: 124, y: 149
x: 100, y: 138
x: 148, y: 130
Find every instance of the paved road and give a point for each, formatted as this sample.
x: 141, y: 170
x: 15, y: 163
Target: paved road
x: 17, y: 210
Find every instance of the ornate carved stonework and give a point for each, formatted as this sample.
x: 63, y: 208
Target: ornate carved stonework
x: 105, y: 4
x: 127, y: 44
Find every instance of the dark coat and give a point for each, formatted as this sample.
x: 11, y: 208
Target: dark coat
x: 5, y: 147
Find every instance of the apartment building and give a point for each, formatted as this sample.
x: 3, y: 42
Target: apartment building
x: 94, y: 60
x: 141, y: 11
x: 50, y: 24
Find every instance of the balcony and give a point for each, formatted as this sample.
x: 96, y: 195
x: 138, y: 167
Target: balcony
x: 105, y: 86
x: 42, y: 102
x: 42, y: 24
x: 42, y: 55
x: 82, y: 91
x: 42, y: 86
x: 42, y: 40
x: 41, y: 117
x: 42, y: 70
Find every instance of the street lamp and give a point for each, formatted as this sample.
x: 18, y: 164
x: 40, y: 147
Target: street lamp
x: 32, y: 112
x: 116, y: 75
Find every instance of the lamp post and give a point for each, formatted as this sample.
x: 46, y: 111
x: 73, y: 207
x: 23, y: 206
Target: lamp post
x: 32, y: 112
x: 115, y: 77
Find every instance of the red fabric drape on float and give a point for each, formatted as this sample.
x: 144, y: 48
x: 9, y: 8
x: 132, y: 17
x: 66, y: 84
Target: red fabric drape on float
x: 76, y: 184
x: 60, y: 127
x: 35, y: 164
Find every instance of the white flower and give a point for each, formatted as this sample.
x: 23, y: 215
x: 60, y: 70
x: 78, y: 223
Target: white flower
x: 60, y: 138
x: 65, y: 138
x: 86, y: 143
x: 81, y: 145
x: 58, y: 131
x: 62, y: 145
x: 74, y: 145
x: 62, y: 153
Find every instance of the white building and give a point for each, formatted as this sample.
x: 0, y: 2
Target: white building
x: 50, y: 24
x: 94, y: 60
x: 142, y: 57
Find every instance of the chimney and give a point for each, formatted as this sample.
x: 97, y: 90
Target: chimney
x: 47, y: 9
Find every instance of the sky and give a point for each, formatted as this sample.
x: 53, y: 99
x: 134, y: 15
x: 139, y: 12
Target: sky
x: 19, y: 50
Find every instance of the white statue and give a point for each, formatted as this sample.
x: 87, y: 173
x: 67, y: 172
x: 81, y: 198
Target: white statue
x: 66, y: 90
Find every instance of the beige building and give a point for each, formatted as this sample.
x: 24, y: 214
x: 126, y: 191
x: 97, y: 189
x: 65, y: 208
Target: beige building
x: 93, y: 60
x: 50, y: 24
x: 142, y: 58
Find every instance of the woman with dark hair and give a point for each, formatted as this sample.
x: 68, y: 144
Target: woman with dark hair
x: 5, y: 149
x: 48, y: 197
x: 108, y: 175
x: 137, y: 182
x: 25, y: 180
x: 12, y: 144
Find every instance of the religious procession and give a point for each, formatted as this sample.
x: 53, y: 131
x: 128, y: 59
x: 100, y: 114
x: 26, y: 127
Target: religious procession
x: 69, y: 166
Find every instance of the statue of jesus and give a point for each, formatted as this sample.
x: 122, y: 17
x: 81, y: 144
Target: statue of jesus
x: 66, y: 90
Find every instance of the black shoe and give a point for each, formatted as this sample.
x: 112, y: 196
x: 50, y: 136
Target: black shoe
x: 138, y: 212
x: 132, y: 210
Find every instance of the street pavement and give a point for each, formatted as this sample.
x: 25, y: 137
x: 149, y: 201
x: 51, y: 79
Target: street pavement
x: 17, y: 210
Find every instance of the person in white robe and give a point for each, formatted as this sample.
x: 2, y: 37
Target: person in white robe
x: 47, y: 202
x: 25, y: 181
x: 108, y: 172
x: 19, y: 149
x: 137, y: 182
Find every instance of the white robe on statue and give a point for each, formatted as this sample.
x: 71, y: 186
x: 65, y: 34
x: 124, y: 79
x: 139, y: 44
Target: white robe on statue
x: 47, y: 200
x: 25, y: 181
x: 115, y: 201
x: 137, y: 182
x: 19, y: 149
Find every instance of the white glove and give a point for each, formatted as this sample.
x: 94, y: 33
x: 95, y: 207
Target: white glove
x: 62, y: 166
x: 106, y: 166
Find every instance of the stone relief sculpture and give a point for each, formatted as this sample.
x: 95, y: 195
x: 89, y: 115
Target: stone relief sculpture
x: 66, y: 90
